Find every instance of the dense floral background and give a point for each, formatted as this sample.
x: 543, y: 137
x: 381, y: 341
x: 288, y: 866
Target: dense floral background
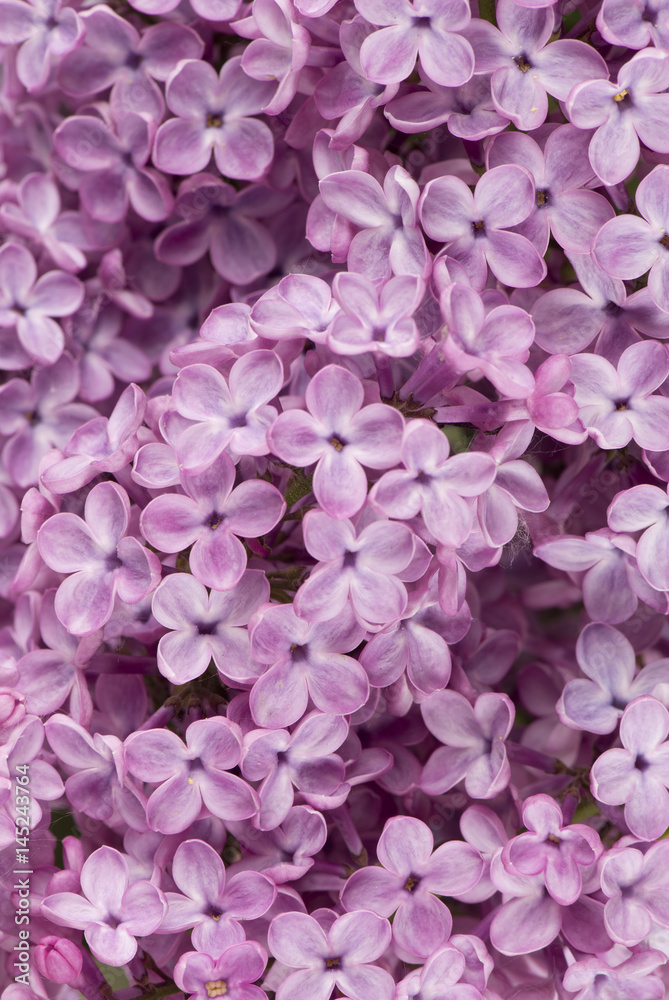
x: 334, y: 559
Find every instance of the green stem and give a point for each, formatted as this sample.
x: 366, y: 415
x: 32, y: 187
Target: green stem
x: 158, y: 991
x: 487, y: 11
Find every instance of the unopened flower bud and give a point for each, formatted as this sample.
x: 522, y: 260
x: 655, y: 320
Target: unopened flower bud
x: 58, y: 959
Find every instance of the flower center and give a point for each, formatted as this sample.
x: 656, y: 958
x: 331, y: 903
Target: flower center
x: 216, y: 988
x: 214, y: 121
x: 665, y: 241
x: 214, y: 521
x: 622, y: 96
x: 479, y: 228
x: 551, y: 838
x: 522, y: 62
x: 542, y: 198
x: 336, y: 443
x: 333, y: 963
x: 411, y: 883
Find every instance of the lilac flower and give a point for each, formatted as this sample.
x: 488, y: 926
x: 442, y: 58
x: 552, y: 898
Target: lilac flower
x: 550, y: 406
x: 325, y: 229
x: 102, y: 558
x: 389, y: 240
x: 46, y: 33
x: 530, y: 917
x: 345, y: 93
x: 525, y: 66
x: 394, y: 613
x: 58, y: 959
x: 48, y: 676
x: 340, y: 435
x: 305, y: 661
x: 225, y: 222
x: 417, y: 643
x: 550, y: 847
x: 468, y: 111
x: 567, y: 320
x: 115, y: 54
x: 103, y: 355
x: 643, y: 508
x: 628, y: 246
x: 638, y: 775
x: 98, y: 785
x: 37, y: 216
x: 211, y: 903
x: 361, y: 569
x: 632, y: 109
x: 606, y: 657
x: 12, y: 712
x: 230, y: 974
x: 39, y: 415
x: 618, y: 405
x: 210, y: 517
x: 475, y: 227
x: 224, y: 414
x: 112, y: 284
x: 483, y: 829
x: 213, y: 115
x: 304, y: 759
x: 376, y: 319
x: 634, y: 23
x: 562, y: 206
x: 412, y: 875
x: 113, y: 163
x: 29, y: 303
x: 286, y: 853
x: 434, y: 483
x: 421, y: 28
x: 279, y: 50
x: 102, y: 444
x: 611, y: 581
x: 631, y: 979
x: 439, y: 979
x: 23, y: 745
x: 517, y: 485
x: 473, y: 741
x: 225, y: 326
x: 299, y: 306
x: 111, y: 911
x: 340, y: 957
x: 496, y: 344
x: 637, y: 891
x: 207, y: 626
x: 209, y: 10
x: 191, y: 777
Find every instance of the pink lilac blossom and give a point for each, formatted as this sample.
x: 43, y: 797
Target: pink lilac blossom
x: 334, y: 565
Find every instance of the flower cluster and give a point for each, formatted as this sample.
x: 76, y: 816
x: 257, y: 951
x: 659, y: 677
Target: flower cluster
x: 334, y: 515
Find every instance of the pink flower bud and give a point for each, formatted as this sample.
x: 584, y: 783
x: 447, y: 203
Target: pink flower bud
x: 58, y: 959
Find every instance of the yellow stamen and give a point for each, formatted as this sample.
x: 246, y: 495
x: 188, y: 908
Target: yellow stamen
x: 216, y: 988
